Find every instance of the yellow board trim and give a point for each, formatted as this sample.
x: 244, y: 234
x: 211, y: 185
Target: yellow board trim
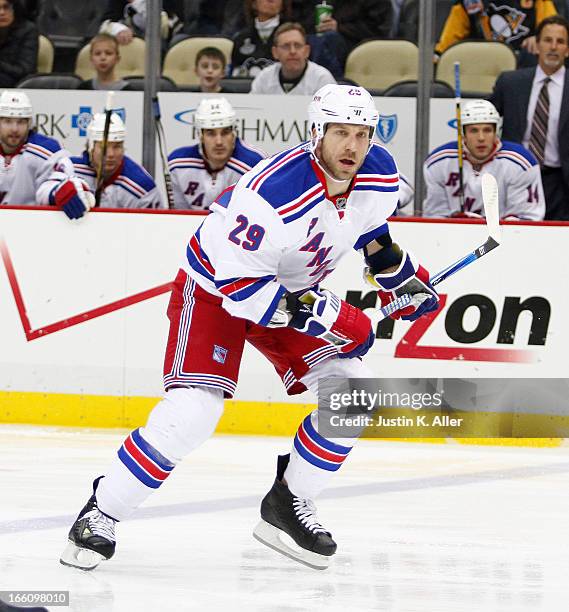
x: 240, y: 417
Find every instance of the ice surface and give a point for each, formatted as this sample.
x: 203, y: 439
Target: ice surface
x: 419, y: 527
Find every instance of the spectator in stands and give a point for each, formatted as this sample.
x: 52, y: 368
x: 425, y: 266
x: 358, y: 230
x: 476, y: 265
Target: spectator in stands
x: 534, y: 103
x: 252, y: 46
x: 18, y: 44
x: 407, y: 24
x: 515, y: 169
x: 34, y: 169
x: 293, y: 72
x: 201, y: 172
x: 104, y: 54
x: 126, y: 19
x: 122, y: 182
x: 210, y: 69
x: 213, y: 18
x: 351, y: 22
x: 513, y: 22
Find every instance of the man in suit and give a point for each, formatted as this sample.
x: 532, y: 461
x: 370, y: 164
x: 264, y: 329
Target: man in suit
x: 534, y: 103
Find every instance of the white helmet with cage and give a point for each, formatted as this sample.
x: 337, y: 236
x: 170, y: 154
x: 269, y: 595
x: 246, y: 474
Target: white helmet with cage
x: 15, y: 103
x: 341, y: 104
x: 96, y: 129
x: 480, y: 111
x: 213, y: 113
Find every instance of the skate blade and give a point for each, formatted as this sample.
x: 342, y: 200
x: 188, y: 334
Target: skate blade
x: 271, y: 536
x: 81, y: 558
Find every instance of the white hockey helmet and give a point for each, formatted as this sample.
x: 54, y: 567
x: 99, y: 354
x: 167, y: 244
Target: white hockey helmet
x: 480, y: 111
x: 15, y: 103
x: 341, y: 104
x: 96, y: 129
x: 213, y: 113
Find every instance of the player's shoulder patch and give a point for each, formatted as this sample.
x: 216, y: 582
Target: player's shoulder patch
x: 246, y: 154
x: 286, y: 177
x: 378, y: 172
x: 42, y: 146
x: 517, y: 153
x: 190, y: 153
x: 449, y: 150
x: 378, y: 161
x: 134, y: 179
x: 81, y: 165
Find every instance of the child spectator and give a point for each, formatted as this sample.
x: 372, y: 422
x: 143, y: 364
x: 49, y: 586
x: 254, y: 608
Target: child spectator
x: 105, y: 56
x: 18, y: 44
x: 210, y: 68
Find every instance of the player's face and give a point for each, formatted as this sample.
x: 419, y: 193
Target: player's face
x: 13, y: 132
x: 210, y: 72
x: 292, y: 52
x: 552, y: 48
x: 104, y: 55
x: 218, y: 145
x: 479, y: 139
x: 113, y: 158
x: 343, y: 149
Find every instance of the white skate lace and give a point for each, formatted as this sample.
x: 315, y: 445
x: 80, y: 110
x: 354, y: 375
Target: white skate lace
x: 100, y: 524
x: 306, y: 512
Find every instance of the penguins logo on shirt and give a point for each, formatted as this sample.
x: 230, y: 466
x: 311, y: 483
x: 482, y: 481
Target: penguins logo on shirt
x: 506, y: 23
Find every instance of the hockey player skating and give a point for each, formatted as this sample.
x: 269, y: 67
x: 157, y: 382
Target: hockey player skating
x: 34, y: 169
x: 513, y: 166
x: 201, y: 172
x: 252, y: 272
x: 125, y: 183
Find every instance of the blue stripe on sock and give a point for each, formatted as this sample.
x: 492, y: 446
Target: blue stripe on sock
x: 137, y: 471
x: 151, y: 452
x: 307, y: 456
x: 323, y: 442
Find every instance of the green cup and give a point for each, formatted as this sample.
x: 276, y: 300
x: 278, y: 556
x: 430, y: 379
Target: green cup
x: 321, y: 11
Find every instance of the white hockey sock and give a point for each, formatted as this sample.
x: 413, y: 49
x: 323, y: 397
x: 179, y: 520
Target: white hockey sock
x: 183, y: 420
x: 314, y: 459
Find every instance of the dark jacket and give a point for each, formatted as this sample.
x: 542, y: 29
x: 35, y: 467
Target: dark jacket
x: 357, y: 20
x: 511, y: 98
x: 250, y: 54
x: 18, y: 52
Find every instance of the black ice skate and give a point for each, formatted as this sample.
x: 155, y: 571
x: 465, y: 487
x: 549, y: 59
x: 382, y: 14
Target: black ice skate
x: 91, y: 538
x: 283, y: 514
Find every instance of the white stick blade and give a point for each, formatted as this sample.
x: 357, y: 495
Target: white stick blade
x: 491, y: 205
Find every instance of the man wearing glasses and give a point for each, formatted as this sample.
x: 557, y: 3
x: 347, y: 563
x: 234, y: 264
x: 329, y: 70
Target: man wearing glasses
x: 293, y: 72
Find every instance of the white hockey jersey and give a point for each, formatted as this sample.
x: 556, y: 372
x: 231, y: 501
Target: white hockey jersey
x: 29, y: 176
x: 129, y: 187
x: 195, y: 186
x: 514, y: 167
x: 278, y: 229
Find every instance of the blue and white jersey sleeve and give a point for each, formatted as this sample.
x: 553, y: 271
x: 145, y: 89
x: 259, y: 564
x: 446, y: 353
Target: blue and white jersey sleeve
x: 52, y: 166
x: 248, y: 251
x: 378, y: 177
x: 521, y: 178
x: 438, y: 165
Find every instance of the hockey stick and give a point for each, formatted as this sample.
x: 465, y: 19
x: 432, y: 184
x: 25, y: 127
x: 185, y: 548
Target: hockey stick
x: 162, y: 148
x: 491, y: 212
x: 100, y: 169
x: 457, y: 96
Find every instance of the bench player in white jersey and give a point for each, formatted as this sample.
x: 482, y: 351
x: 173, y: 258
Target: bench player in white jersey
x: 201, y: 172
x: 125, y: 183
x: 252, y: 272
x: 515, y: 168
x: 34, y: 169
